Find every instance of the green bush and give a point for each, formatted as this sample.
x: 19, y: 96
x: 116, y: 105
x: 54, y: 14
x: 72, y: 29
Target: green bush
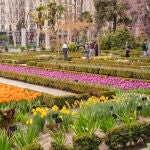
x: 117, y: 40
x: 86, y: 142
x: 22, y: 48
x: 34, y: 146
x: 55, y: 146
x: 127, y: 133
x: 42, y: 47
x: 72, y: 47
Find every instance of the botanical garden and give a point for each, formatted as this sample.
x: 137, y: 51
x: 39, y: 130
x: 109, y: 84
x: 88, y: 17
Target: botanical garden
x: 108, y: 102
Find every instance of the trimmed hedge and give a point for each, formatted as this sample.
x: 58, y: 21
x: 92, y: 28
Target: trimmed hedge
x: 86, y: 142
x: 55, y: 146
x: 124, y: 135
x: 132, y: 61
x: 76, y: 87
x: 34, y: 146
x: 116, y: 72
x: 50, y: 100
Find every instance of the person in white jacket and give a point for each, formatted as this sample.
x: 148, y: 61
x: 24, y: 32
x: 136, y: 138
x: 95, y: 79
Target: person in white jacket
x: 65, y: 51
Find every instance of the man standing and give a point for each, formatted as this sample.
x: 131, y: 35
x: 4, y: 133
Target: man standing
x: 96, y: 48
x: 65, y: 51
x: 144, y: 47
x: 127, y: 47
x: 87, y: 49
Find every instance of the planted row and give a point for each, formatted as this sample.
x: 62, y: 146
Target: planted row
x: 74, y: 79
x: 79, y: 88
x: 116, y: 72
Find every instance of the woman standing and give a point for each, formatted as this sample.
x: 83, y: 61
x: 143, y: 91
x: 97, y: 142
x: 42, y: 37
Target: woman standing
x: 127, y: 46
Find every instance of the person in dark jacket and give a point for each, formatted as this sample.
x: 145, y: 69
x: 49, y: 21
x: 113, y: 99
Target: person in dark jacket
x: 96, y: 48
x: 127, y: 46
x: 144, y: 47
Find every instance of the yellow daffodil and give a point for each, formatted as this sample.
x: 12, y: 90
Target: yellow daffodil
x: 74, y: 113
x: 55, y: 108
x: 30, y: 121
x: 27, y: 122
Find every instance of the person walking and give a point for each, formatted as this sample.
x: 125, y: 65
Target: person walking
x: 65, y: 51
x: 144, y: 47
x: 127, y: 48
x: 92, y: 52
x: 96, y: 48
x: 87, y: 49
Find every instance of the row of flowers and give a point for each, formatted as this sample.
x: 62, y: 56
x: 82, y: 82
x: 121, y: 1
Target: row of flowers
x: 84, y: 78
x: 9, y: 93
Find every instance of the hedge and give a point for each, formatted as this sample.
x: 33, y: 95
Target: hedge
x: 86, y: 142
x: 112, y: 62
x: 34, y: 146
x: 55, y: 146
x: 76, y: 87
x: 50, y: 100
x: 129, y: 133
x: 116, y: 72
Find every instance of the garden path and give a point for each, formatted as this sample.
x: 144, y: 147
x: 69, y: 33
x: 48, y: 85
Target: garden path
x: 38, y: 88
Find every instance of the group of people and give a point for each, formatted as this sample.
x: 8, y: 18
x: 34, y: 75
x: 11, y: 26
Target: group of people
x: 91, y: 49
x: 144, y: 47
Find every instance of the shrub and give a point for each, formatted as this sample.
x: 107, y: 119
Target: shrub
x: 42, y: 47
x: 56, y: 146
x: 127, y: 133
x: 22, y: 48
x: 86, y: 142
x: 72, y: 47
x: 117, y: 40
x: 34, y: 146
x: 6, y: 49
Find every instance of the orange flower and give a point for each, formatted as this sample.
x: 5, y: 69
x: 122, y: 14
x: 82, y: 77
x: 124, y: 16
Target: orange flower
x: 9, y: 93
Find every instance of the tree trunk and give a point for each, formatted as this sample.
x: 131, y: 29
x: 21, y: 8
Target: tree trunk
x: 114, y: 23
x: 75, y: 10
x: 81, y: 9
x: 14, y: 39
x: 38, y: 39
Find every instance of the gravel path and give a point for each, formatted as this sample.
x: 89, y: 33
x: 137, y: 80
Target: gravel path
x: 38, y: 88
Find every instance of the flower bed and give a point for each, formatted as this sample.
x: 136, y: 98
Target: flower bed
x: 113, y: 117
x: 83, y: 78
x: 9, y: 93
x: 103, y: 70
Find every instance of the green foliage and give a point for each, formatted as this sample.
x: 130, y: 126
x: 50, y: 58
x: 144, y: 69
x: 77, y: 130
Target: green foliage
x: 86, y: 16
x: 56, y: 146
x: 86, y: 142
x: 38, y: 123
x: 5, y: 144
x: 84, y: 123
x: 72, y: 47
x: 59, y: 137
x: 117, y: 40
x: 22, y: 48
x: 23, y: 138
x: 111, y: 11
x: 42, y: 47
x: 128, y: 117
x: 127, y: 133
x: 107, y: 123
x: 34, y: 146
x: 6, y: 49
x: 3, y: 38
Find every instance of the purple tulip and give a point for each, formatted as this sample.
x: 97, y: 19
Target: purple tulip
x: 83, y: 78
